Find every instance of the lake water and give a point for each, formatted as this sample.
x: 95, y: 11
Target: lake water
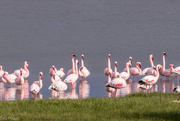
x: 46, y: 33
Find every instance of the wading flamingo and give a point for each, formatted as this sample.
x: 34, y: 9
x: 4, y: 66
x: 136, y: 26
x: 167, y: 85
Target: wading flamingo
x: 125, y: 75
x: 25, y: 71
x: 108, y: 70
x: 177, y: 72
x: 163, y: 64
x: 149, y: 70
x: 60, y: 73
x: 109, y: 89
x: 130, y: 62
x: 83, y: 71
x: 72, y: 77
x: 136, y: 70
x: 37, y: 85
x: 115, y: 74
x: 72, y: 71
x: 58, y: 86
x: 177, y: 90
x: 116, y: 83
x: 150, y: 79
x: 54, y: 78
x: 20, y: 79
x: 10, y: 78
x: 169, y: 72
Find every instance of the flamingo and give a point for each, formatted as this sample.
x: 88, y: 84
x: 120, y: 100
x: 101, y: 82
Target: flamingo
x: 149, y: 70
x: 72, y: 71
x: 20, y: 80
x: 108, y: 70
x: 163, y: 64
x: 116, y: 83
x: 169, y: 72
x: 60, y: 73
x: 109, y: 89
x: 83, y: 71
x: 54, y: 78
x: 115, y: 74
x: 1, y: 71
x: 10, y: 78
x: 52, y: 70
x: 177, y: 72
x: 25, y: 71
x: 37, y: 85
x: 136, y: 70
x: 177, y: 90
x: 125, y: 75
x: 72, y: 77
x: 150, y: 79
x: 58, y: 86
x: 130, y: 62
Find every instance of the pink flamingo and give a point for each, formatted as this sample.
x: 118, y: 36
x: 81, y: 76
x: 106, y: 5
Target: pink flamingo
x: 108, y: 70
x: 116, y: 83
x: 25, y: 71
x: 109, y: 89
x: 58, y: 86
x: 72, y: 71
x: 54, y: 78
x: 149, y: 70
x: 150, y: 79
x: 163, y: 65
x: 10, y: 78
x: 83, y: 71
x: 130, y: 62
x: 125, y: 75
x: 169, y: 72
x: 72, y: 77
x: 1, y: 71
x: 52, y: 70
x: 37, y: 85
x: 136, y: 70
x: 115, y: 74
x: 177, y: 72
x: 20, y: 80
x: 60, y: 73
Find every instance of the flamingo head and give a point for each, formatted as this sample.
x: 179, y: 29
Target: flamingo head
x: 41, y: 74
x: 130, y: 59
x: 34, y: 82
x: 109, y: 55
x: 151, y: 57
x: 1, y: 67
x: 115, y: 63
x: 73, y: 55
x: 139, y: 64
x: 61, y: 69
x: 164, y: 54
x: 82, y: 56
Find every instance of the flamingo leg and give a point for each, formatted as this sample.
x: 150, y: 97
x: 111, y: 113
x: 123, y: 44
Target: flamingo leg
x: 146, y: 89
x: 178, y: 80
x: 133, y: 78
x: 115, y: 93
x: 149, y: 88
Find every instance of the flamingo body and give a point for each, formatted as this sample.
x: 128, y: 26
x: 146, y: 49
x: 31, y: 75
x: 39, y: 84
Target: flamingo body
x: 58, y: 86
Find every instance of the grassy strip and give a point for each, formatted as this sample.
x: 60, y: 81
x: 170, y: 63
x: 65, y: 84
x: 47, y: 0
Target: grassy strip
x: 140, y: 106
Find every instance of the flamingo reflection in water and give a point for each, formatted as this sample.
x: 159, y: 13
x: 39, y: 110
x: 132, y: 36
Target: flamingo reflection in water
x: 72, y: 94
x: 84, y: 89
x: 126, y: 90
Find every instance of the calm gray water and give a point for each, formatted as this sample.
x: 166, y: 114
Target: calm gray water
x: 46, y: 33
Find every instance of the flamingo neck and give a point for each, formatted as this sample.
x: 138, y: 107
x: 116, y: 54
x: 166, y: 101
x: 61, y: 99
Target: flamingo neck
x: 109, y: 78
x: 109, y: 64
x: 163, y: 66
x: 40, y: 82
x: 76, y: 69
x: 152, y: 64
x: 127, y: 68
x: 82, y: 62
x: 139, y: 69
x: 73, y: 65
x: 27, y: 72
x: 115, y: 70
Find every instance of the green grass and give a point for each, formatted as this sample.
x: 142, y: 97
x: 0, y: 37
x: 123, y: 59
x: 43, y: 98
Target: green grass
x: 139, y: 106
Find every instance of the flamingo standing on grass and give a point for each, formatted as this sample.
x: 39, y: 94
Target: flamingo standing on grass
x: 83, y: 71
x: 108, y: 70
x: 37, y: 85
x: 149, y: 80
x: 136, y: 70
x: 149, y: 70
x: 25, y: 71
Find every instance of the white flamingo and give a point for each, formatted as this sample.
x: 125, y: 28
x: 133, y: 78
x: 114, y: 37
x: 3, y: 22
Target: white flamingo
x: 109, y: 89
x: 52, y: 70
x: 20, y: 79
x: 115, y: 74
x: 10, y: 78
x: 72, y: 71
x: 150, y: 79
x: 169, y: 72
x: 149, y: 70
x: 60, y: 73
x: 162, y: 69
x: 83, y: 71
x: 130, y: 62
x: 136, y: 70
x: 108, y: 70
x: 72, y: 77
x: 125, y: 75
x: 25, y: 71
x: 37, y: 85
